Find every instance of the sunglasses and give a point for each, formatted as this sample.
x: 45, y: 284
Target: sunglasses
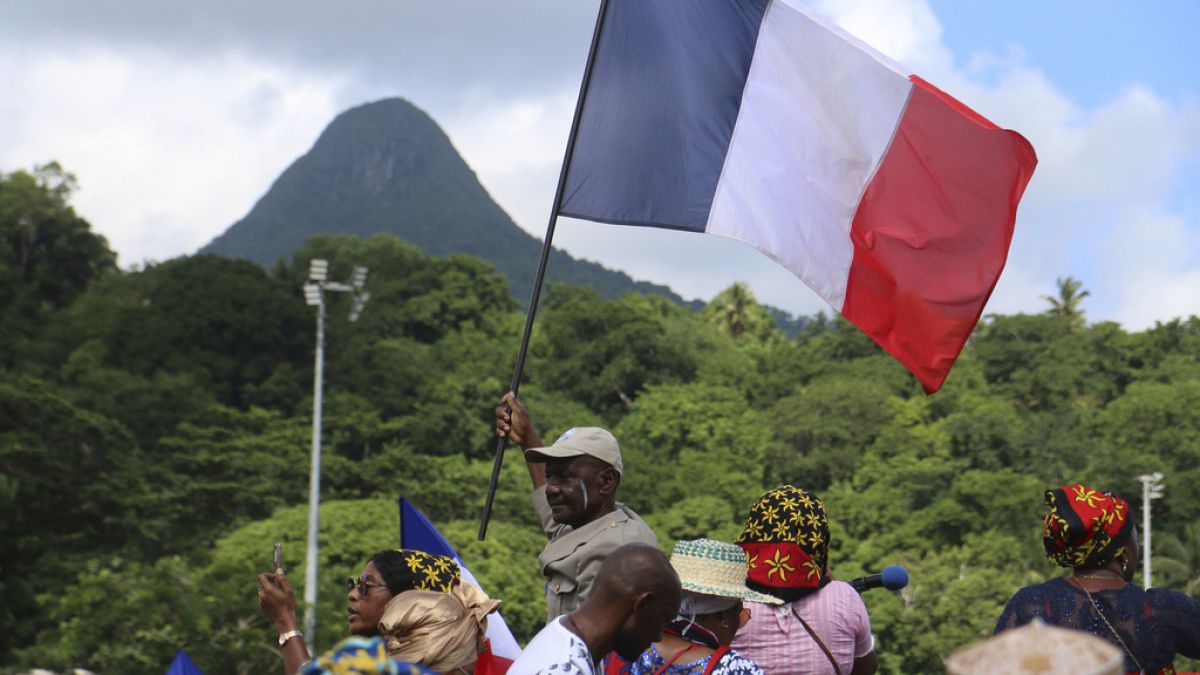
x: 363, y: 584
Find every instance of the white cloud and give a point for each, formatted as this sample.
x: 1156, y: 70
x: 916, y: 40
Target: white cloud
x: 169, y: 153
x: 907, y: 31
x: 1163, y: 280
x: 515, y: 147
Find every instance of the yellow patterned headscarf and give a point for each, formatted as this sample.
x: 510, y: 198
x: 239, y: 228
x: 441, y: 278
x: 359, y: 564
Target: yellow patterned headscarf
x: 786, y: 541
x: 416, y: 570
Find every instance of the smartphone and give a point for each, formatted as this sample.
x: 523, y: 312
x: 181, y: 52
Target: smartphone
x: 278, y: 557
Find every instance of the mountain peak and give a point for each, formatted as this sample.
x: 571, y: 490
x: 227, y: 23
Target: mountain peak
x: 387, y: 166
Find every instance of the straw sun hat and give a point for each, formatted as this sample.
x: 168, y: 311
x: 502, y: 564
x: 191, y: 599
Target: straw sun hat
x: 712, y: 567
x: 1038, y: 648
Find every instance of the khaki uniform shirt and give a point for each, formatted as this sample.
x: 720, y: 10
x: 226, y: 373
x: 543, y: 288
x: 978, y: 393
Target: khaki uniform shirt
x: 572, y: 558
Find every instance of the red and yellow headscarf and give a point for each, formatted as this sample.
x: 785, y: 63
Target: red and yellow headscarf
x: 786, y: 542
x: 1084, y: 527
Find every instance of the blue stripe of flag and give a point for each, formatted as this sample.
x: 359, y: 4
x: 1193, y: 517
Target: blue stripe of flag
x: 416, y: 532
x: 659, y: 111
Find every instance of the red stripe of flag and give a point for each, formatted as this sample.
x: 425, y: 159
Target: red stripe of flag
x: 932, y: 231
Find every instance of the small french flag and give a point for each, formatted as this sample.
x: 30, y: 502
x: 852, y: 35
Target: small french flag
x: 760, y: 121
x: 416, y: 532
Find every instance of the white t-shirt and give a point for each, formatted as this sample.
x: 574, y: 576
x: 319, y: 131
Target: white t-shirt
x: 554, y: 650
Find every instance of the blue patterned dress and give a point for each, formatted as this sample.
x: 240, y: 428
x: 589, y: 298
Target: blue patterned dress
x: 731, y: 664
x: 1155, y: 624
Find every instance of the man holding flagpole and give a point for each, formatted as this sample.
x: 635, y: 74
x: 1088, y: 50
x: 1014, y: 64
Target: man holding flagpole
x: 763, y: 122
x: 575, y: 483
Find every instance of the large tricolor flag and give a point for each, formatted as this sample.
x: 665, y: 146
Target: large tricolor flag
x: 761, y: 121
x: 416, y: 532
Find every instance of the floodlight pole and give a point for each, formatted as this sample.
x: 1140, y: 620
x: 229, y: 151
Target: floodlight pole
x: 314, y: 483
x: 1151, y: 489
x: 314, y: 292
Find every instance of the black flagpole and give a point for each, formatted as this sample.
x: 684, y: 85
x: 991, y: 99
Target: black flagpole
x: 541, y: 270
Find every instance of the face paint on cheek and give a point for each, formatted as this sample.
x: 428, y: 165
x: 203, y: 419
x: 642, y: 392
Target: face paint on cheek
x: 585, y: 499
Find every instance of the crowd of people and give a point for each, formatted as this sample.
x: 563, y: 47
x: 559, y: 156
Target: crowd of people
x: 766, y: 603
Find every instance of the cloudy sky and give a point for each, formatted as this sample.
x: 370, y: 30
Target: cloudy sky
x: 177, y: 116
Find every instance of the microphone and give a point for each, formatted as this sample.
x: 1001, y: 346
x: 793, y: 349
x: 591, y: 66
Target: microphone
x: 892, y: 578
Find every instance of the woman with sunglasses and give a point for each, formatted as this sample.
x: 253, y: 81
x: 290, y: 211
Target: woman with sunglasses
x: 415, y: 601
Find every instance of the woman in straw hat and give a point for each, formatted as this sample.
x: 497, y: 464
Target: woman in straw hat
x: 713, y: 575
x: 1091, y: 532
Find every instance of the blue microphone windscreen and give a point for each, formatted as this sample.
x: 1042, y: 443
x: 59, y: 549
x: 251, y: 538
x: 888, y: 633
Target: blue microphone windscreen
x: 894, y: 578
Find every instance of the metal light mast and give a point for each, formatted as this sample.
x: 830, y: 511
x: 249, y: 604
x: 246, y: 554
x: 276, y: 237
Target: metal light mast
x: 1152, y: 488
x: 314, y: 294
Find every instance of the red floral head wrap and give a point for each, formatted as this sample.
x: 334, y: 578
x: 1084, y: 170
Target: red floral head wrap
x: 1084, y: 527
x: 786, y: 542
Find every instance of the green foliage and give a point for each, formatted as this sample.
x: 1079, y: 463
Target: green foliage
x: 48, y: 522
x: 228, y: 448
x: 603, y: 353
x: 811, y: 444
x: 155, y: 431
x: 692, y: 440
x: 224, y: 322
x: 118, y: 616
x: 48, y: 255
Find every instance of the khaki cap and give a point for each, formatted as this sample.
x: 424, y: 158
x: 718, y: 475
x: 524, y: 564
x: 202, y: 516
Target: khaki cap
x: 580, y: 441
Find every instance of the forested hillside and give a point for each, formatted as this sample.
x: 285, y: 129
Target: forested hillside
x: 155, y: 426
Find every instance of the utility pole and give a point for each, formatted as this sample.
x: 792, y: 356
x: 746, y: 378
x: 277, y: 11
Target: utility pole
x: 1152, y: 488
x: 314, y: 295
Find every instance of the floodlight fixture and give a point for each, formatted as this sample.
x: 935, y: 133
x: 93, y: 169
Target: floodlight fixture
x: 318, y: 269
x: 360, y: 302
x: 312, y: 294
x: 359, y: 278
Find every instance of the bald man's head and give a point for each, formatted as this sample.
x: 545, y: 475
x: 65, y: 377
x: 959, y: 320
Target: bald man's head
x: 638, y: 591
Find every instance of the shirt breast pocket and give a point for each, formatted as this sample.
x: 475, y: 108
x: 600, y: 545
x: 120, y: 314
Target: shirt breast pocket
x: 561, y: 585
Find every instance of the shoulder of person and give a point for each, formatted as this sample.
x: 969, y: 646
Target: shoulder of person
x: 1054, y: 585
x: 1165, y: 599
x: 840, y: 591
x: 633, y: 529
x: 554, y: 650
x: 736, y: 664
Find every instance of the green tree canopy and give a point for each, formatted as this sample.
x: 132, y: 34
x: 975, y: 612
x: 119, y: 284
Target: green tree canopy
x: 48, y: 254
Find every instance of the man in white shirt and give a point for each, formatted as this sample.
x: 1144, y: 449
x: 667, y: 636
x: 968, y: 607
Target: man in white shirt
x: 635, y: 595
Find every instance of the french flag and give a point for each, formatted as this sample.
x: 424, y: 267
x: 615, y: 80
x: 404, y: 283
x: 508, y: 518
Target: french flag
x: 416, y: 532
x: 761, y: 121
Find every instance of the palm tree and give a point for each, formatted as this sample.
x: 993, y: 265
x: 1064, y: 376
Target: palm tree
x: 1066, y: 305
x: 733, y: 310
